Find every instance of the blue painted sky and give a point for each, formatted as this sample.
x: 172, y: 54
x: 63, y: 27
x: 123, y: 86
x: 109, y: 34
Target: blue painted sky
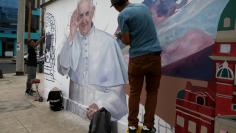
x: 198, y: 14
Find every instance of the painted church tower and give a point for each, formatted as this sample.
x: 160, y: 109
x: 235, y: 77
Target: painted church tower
x: 224, y: 56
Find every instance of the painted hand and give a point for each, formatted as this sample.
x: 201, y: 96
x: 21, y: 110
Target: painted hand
x: 73, y: 24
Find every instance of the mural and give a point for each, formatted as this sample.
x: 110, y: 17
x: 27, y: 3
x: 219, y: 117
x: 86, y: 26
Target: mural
x: 57, y: 27
x: 162, y: 9
x: 50, y: 31
x: 201, y: 109
x: 84, y: 57
x: 187, y: 30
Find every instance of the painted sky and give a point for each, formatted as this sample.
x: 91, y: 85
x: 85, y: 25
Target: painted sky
x: 198, y: 14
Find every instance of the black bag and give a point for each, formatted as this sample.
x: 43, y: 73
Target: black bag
x: 55, y: 99
x: 101, y: 122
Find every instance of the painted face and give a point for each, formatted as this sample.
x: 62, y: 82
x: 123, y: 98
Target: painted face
x: 85, y: 15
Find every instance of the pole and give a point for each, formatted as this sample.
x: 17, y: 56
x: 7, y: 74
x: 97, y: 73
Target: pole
x: 20, y: 38
x: 1, y: 75
x: 29, y: 19
x: 41, y: 53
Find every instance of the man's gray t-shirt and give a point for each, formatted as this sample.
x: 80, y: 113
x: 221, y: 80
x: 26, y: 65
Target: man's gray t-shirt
x: 137, y: 20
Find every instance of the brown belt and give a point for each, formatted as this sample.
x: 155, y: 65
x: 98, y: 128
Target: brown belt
x: 158, y: 53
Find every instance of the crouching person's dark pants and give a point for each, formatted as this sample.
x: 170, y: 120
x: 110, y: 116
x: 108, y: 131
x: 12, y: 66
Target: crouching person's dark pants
x: 146, y: 67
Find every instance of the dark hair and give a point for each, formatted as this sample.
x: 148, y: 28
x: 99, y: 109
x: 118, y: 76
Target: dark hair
x: 121, y: 2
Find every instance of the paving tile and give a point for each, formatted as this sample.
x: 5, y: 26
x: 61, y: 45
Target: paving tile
x: 13, y: 130
x: 7, y: 105
x: 9, y: 124
x: 5, y: 115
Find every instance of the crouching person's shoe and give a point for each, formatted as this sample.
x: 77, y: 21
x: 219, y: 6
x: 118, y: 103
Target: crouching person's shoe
x: 147, y: 130
x: 33, y: 91
x: 29, y: 92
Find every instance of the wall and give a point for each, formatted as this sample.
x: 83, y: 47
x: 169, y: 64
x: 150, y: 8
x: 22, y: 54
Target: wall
x: 186, y: 28
x: 57, y: 27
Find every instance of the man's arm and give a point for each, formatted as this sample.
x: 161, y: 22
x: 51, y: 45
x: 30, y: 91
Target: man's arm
x: 35, y: 44
x: 40, y: 40
x: 124, y: 37
x: 123, y: 33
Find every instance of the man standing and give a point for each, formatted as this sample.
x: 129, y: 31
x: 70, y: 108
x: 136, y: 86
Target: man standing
x: 138, y: 31
x: 31, y: 64
x: 95, y: 65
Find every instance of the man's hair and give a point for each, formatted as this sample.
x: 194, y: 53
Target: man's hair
x: 121, y: 2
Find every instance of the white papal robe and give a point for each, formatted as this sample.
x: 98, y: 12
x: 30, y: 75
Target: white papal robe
x: 97, y: 68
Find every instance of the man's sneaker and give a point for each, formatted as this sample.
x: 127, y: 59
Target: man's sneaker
x: 132, y: 129
x: 147, y: 130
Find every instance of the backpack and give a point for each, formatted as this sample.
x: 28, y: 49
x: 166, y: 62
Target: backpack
x: 55, y: 99
x: 101, y: 122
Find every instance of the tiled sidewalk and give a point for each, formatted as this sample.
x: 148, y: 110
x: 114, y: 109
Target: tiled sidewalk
x: 22, y: 114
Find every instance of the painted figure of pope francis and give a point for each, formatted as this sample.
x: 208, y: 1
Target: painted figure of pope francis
x: 94, y: 62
